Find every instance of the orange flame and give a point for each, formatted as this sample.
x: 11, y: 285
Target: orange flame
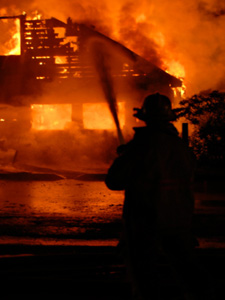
x: 98, y: 116
x: 139, y: 20
x: 175, y: 68
x: 51, y: 117
x: 14, y: 43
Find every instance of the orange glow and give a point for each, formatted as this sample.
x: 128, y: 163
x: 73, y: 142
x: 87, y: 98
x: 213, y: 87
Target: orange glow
x: 139, y: 26
x: 14, y: 43
x: 72, y: 40
x: 40, y: 57
x: 159, y: 31
x: 51, y: 117
x: 179, y: 91
x: 60, y: 60
x: 98, y: 116
x: 175, y: 68
x: 141, y: 18
x: 37, y: 16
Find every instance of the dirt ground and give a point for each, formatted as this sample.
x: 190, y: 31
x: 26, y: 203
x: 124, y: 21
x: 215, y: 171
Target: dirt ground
x: 58, y: 211
x: 59, y: 231
x: 73, y: 208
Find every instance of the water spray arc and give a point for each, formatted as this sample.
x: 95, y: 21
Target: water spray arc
x: 100, y: 58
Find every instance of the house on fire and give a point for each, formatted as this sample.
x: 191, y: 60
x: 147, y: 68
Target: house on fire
x: 59, y: 79
x: 65, y: 61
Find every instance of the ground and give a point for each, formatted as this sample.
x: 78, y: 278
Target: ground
x: 58, y: 212
x: 59, y: 231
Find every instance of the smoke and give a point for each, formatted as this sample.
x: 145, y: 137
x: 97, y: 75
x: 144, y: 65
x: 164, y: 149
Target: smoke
x: 73, y: 148
x: 194, y: 36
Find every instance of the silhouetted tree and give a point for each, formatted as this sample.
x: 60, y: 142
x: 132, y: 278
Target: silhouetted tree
x: 206, y: 111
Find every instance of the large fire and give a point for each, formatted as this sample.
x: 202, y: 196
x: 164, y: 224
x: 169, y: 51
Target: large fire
x: 172, y: 66
x: 11, y: 42
x: 15, y: 41
x: 58, y: 116
x: 161, y: 31
x: 98, y: 116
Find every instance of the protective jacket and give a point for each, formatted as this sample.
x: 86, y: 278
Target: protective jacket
x: 155, y: 169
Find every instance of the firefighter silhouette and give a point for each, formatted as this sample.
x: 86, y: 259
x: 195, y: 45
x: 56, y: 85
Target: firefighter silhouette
x: 156, y: 170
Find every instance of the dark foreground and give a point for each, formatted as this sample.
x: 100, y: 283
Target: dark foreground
x: 52, y: 248
x: 90, y: 273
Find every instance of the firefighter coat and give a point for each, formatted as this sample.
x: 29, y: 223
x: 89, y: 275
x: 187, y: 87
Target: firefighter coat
x: 155, y: 169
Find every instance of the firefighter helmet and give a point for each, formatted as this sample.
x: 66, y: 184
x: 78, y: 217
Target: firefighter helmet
x: 156, y: 107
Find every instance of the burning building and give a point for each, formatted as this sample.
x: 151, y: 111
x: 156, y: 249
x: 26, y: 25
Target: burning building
x: 54, y: 92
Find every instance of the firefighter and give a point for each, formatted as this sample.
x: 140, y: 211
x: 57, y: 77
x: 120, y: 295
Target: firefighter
x: 155, y: 169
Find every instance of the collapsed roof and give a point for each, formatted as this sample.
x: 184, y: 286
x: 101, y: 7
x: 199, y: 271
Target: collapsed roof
x: 51, y: 50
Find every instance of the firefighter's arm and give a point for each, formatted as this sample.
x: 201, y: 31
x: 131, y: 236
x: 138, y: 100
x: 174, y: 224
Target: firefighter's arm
x: 119, y: 173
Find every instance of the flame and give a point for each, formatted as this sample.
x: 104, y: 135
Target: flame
x: 60, y: 60
x: 140, y: 22
x: 175, y: 68
x: 72, y: 40
x: 37, y: 15
x: 179, y: 92
x: 51, y: 117
x: 167, y: 27
x: 98, y: 116
x: 14, y: 43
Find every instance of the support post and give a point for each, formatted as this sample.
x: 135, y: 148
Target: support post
x: 185, y: 133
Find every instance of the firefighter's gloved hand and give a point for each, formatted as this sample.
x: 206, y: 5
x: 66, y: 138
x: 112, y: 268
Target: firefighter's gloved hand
x: 121, y: 149
x: 139, y: 113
